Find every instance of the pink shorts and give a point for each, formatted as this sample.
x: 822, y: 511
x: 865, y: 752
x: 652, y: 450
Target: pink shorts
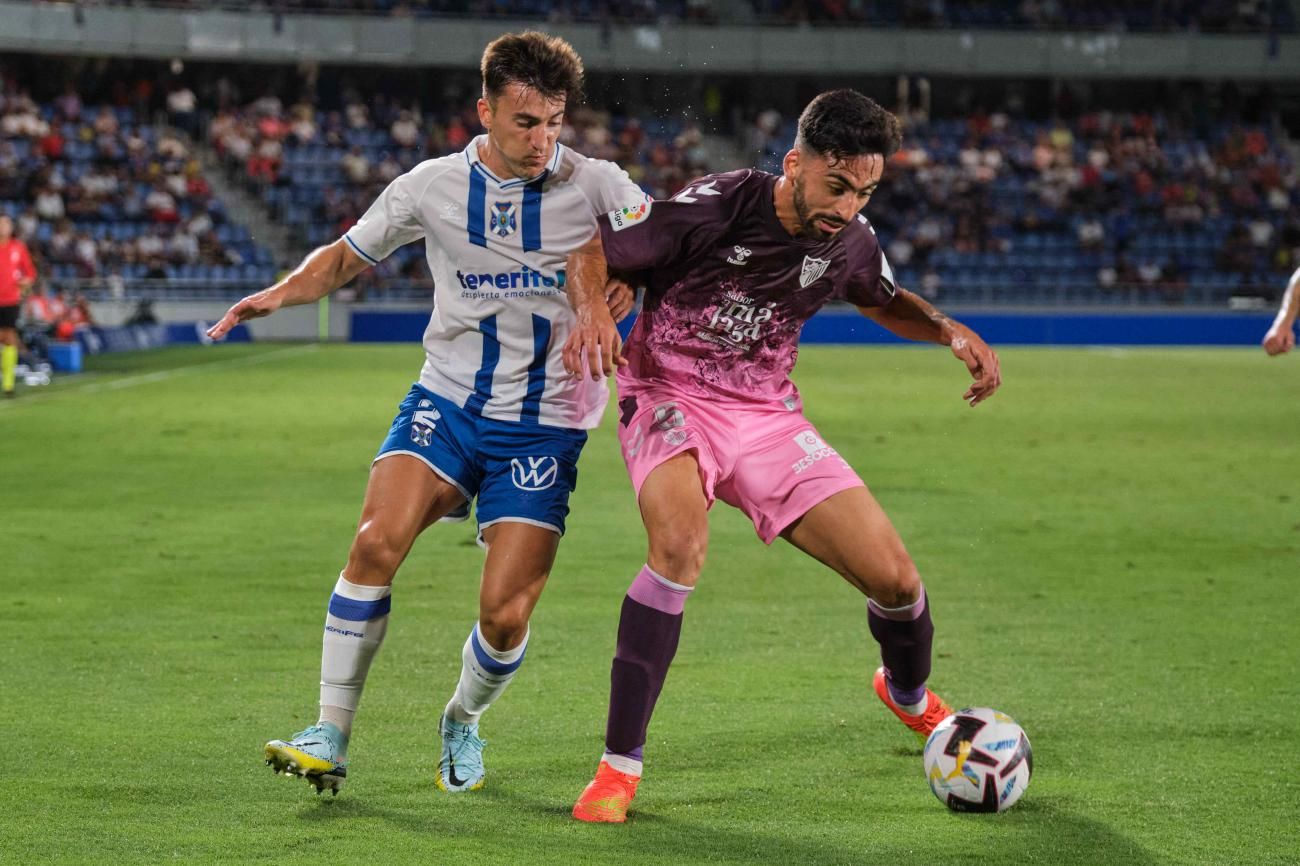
x: 765, y: 459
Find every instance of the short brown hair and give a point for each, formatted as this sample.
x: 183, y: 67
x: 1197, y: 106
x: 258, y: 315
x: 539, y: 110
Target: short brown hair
x: 536, y: 61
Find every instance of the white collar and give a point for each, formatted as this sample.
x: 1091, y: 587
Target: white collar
x: 472, y: 157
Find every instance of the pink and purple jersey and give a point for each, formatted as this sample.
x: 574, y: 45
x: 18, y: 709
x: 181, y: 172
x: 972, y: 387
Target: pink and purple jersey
x: 728, y: 289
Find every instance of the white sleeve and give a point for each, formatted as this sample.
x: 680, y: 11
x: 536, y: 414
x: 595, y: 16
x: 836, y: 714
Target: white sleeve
x: 887, y: 281
x: 609, y: 187
x: 392, y: 221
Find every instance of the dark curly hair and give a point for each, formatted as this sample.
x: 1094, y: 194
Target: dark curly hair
x: 546, y: 64
x: 841, y: 124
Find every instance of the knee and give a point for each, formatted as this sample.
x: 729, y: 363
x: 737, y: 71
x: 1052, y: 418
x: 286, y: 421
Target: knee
x: 896, y: 582
x: 677, y: 551
x: 505, y: 626
x: 376, y: 553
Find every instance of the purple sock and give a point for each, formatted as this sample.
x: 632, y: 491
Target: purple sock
x: 637, y: 754
x: 648, y: 631
x: 905, y: 635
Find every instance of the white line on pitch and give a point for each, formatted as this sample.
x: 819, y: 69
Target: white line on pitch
x: 159, y: 376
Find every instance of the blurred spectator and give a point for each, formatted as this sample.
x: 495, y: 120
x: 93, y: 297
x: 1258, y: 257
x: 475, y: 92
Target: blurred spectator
x: 355, y: 165
x: 303, y: 127
x: 1091, y: 234
x: 182, y: 110
x: 405, y: 131
x: 49, y: 204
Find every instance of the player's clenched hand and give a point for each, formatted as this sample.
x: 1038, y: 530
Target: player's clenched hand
x: 594, y: 345
x: 980, y: 360
x: 1279, y: 341
x: 620, y: 298
x: 263, y: 303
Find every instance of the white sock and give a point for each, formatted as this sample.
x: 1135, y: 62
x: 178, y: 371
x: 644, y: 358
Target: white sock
x: 338, y: 717
x: 354, y: 629
x: 623, y: 764
x: 484, y: 674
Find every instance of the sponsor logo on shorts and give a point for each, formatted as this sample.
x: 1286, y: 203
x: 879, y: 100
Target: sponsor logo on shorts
x: 539, y: 474
x: 670, y: 420
x: 624, y: 217
x: 814, y: 449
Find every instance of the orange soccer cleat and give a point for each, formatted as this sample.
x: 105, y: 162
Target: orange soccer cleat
x: 607, y: 798
x: 936, y: 709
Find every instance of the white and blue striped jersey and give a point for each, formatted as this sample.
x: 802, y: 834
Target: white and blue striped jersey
x: 496, y: 249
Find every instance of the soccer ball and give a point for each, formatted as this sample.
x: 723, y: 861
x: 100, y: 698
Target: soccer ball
x: 978, y: 760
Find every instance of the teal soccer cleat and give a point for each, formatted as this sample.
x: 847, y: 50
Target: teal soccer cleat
x: 461, y: 766
x: 318, y: 754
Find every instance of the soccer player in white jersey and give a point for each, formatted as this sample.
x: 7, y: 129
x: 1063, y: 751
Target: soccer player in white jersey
x: 494, y: 416
x: 1280, y: 338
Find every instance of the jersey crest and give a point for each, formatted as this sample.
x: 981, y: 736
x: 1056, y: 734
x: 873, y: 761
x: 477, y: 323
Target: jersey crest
x: 503, y: 219
x: 812, y: 270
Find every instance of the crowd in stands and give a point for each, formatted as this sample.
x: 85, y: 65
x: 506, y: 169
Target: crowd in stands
x: 96, y: 194
x: 318, y: 171
x: 989, y: 205
x: 1233, y: 16
x: 1218, y: 16
x: 982, y: 206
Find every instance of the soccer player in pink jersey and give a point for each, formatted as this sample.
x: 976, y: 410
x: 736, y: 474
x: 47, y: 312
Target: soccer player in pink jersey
x: 734, y: 265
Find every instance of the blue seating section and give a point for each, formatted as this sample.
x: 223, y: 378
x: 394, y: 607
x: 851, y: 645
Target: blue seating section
x: 307, y: 171
x: 1013, y: 258
x: 111, y: 220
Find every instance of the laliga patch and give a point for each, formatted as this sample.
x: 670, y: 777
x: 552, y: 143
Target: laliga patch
x: 625, y: 217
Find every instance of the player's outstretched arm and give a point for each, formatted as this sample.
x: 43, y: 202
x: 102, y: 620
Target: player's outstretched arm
x: 324, y: 270
x: 1280, y: 338
x: 911, y: 317
x: 594, y: 344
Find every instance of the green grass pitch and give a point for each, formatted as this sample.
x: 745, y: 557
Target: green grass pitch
x: 1112, y: 547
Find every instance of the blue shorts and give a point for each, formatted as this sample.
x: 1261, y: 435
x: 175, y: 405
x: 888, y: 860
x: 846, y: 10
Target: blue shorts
x: 520, y: 473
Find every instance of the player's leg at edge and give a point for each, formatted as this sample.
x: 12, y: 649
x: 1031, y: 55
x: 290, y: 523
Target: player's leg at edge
x: 675, y: 513
x: 850, y: 533
x: 519, y: 560
x: 402, y: 498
